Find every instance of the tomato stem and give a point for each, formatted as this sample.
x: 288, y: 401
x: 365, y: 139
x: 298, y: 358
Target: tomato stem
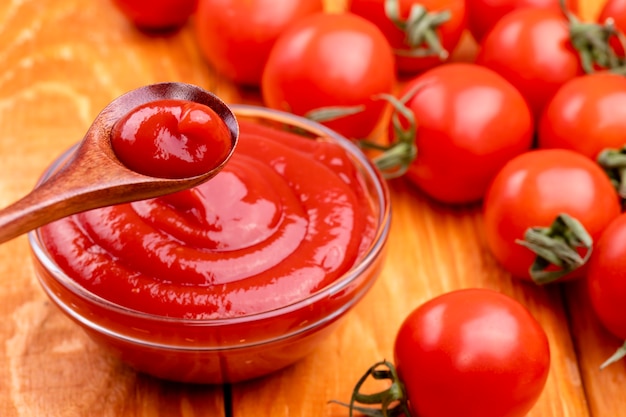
x: 557, y: 246
x: 326, y: 114
x: 613, y: 161
x: 393, y: 400
x: 591, y: 40
x: 420, y: 29
x: 396, y: 158
x: 619, y: 354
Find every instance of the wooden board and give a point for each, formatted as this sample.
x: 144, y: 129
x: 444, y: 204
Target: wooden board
x: 61, y: 61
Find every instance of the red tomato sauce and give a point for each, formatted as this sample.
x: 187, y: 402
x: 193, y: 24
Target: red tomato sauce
x: 171, y: 139
x: 285, y: 217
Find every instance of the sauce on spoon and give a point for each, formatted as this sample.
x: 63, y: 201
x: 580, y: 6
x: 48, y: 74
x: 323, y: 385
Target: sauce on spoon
x: 171, y: 139
x: 95, y: 176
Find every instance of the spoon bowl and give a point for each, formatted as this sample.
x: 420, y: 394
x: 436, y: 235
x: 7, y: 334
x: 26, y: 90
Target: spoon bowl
x: 94, y: 177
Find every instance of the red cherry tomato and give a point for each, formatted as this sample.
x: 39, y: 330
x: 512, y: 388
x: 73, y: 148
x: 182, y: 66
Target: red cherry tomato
x: 587, y: 115
x: 607, y: 279
x: 157, y: 14
x: 236, y: 36
x: 531, y: 191
x: 408, y: 33
x: 331, y: 60
x: 470, y: 122
x: 532, y: 49
x: 171, y: 139
x: 484, y: 14
x: 455, y: 348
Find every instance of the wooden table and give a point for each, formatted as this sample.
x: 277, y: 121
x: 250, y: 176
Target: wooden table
x: 61, y: 61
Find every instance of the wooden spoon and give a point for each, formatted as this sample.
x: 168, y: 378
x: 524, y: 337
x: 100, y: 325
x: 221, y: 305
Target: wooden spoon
x: 93, y: 177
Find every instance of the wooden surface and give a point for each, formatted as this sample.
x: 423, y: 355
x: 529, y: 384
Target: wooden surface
x: 61, y: 61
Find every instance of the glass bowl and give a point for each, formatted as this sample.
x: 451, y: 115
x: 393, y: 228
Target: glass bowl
x: 231, y: 349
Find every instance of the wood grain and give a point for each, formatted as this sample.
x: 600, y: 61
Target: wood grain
x: 61, y: 61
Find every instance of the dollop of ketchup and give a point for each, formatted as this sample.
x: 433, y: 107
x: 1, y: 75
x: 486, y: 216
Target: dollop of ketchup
x: 171, y: 139
x: 284, y: 218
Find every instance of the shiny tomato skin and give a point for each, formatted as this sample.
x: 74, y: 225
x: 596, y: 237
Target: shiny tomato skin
x: 449, y: 33
x: 607, y: 278
x: 484, y: 14
x: 235, y: 37
x: 532, y: 49
x: 470, y: 122
x: 157, y: 14
x: 587, y: 114
x: 472, y: 353
x: 532, y: 190
x: 328, y: 60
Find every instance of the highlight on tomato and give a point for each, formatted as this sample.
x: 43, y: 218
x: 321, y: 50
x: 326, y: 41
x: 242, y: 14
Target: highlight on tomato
x: 587, y: 115
x: 538, y: 50
x: 543, y: 212
x: 155, y: 15
x: 470, y: 352
x: 464, y: 122
x: 423, y: 33
x: 606, y: 281
x: 235, y: 37
x: 482, y: 15
x: 332, y: 68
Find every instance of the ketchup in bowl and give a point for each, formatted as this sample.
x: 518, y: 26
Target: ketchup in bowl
x: 237, y: 277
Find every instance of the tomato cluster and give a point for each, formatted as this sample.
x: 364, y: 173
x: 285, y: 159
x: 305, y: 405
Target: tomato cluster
x: 555, y: 212
x: 531, y: 129
x: 336, y: 68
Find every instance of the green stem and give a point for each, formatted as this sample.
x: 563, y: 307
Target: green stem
x: 613, y: 161
x: 325, y: 114
x: 392, y: 401
x: 619, y: 354
x: 557, y: 246
x: 397, y: 157
x: 394, y: 162
x: 420, y: 29
x: 592, y: 41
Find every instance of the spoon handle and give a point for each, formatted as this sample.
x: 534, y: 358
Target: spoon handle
x: 67, y: 191
x: 32, y: 211
x: 78, y: 186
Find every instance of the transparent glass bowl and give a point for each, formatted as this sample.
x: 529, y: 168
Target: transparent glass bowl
x: 229, y: 349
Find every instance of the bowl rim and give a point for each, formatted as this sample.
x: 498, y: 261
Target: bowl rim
x: 380, y: 195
